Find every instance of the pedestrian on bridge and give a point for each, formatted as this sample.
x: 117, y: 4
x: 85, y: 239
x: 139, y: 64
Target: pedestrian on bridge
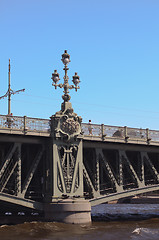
x: 90, y: 127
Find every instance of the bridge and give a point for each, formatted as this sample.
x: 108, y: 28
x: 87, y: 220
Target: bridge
x: 118, y: 162
x: 59, y: 167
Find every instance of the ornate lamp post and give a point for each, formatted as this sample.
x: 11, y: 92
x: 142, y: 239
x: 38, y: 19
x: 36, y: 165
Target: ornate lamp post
x: 55, y: 77
x: 66, y: 193
x: 67, y: 135
x: 66, y: 123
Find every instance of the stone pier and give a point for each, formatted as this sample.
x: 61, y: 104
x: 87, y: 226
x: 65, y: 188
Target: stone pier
x: 69, y: 211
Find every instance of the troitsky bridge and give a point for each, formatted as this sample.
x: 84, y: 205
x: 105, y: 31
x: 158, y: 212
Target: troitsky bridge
x: 57, y: 169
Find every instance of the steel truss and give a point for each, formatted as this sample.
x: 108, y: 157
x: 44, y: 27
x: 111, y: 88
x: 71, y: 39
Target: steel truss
x: 22, y: 174
x: 114, y: 174
x: 34, y: 173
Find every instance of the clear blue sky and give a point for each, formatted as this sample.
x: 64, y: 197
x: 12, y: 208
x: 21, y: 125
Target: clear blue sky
x: 114, y: 47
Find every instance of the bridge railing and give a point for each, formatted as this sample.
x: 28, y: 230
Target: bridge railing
x: 37, y: 124
x: 92, y: 131
x: 136, y: 133
x: 154, y: 135
x: 124, y: 133
x: 24, y: 123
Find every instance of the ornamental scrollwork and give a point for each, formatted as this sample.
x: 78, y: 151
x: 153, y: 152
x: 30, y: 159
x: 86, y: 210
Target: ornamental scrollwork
x: 66, y: 124
x: 70, y: 126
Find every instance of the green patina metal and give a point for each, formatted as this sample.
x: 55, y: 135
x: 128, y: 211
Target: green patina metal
x: 66, y: 132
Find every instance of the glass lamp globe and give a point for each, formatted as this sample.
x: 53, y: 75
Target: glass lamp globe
x: 65, y: 61
x: 65, y: 58
x: 76, y: 80
x: 55, y: 76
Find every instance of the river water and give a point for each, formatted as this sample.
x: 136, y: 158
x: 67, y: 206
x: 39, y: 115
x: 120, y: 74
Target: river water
x: 110, y: 222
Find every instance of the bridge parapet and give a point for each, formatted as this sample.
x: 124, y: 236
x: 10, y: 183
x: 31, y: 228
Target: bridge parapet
x: 24, y: 125
x: 119, y: 134
x: 95, y: 132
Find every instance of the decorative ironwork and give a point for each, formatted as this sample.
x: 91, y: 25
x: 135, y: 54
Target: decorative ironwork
x: 66, y: 124
x: 21, y: 123
x: 154, y: 135
x: 136, y: 133
x: 111, y: 131
x: 55, y: 77
x: 68, y: 155
x: 35, y: 124
x: 71, y: 125
x: 11, y: 122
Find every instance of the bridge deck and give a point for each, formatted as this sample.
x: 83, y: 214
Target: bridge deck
x: 92, y: 132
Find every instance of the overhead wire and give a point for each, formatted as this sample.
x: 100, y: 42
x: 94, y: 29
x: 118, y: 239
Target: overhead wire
x: 95, y: 104
x: 97, y: 110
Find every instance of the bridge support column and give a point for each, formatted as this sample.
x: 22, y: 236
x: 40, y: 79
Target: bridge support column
x: 67, y: 191
x: 67, y: 201
x: 69, y: 211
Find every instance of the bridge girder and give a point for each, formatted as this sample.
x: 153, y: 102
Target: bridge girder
x: 23, y: 177
x: 110, y: 171
x: 113, y: 173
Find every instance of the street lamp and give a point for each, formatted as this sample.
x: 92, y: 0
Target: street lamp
x: 55, y: 77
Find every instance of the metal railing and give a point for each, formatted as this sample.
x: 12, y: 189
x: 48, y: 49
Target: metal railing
x: 92, y: 131
x: 24, y: 124
x: 116, y: 132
